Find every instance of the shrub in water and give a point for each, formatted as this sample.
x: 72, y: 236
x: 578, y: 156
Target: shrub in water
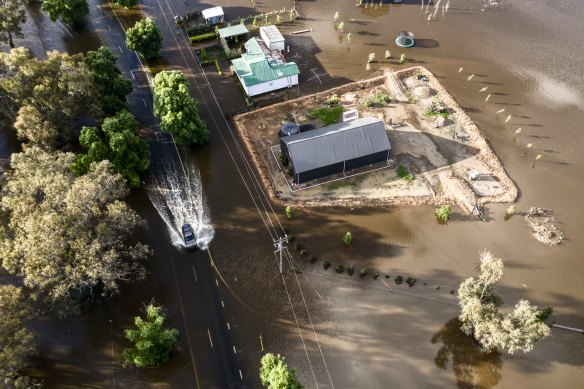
x: 348, y: 238
x: 288, y: 211
x: 339, y: 268
x: 297, y: 247
x: 410, y: 281
x: 303, y: 252
x: 387, y: 276
x: 443, y: 212
x: 350, y: 270
x: 399, y: 280
x: 376, y: 275
x: 363, y: 273
x: 326, y: 265
x: 312, y: 258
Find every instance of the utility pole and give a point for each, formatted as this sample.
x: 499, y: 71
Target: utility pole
x: 280, y: 245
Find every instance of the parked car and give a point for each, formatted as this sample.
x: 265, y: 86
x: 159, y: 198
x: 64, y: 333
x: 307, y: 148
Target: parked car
x: 189, y: 237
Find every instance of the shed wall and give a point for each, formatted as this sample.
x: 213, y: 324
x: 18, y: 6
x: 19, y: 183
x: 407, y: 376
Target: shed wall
x: 266, y: 87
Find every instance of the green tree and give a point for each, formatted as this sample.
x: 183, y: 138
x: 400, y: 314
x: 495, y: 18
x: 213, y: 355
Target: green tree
x: 347, y: 238
x: 152, y: 342
x: 71, y: 12
x: 31, y: 126
x: 274, y: 373
x: 12, y: 16
x: 107, y: 77
x: 178, y: 111
x: 17, y: 342
x: 482, y: 318
x: 117, y: 142
x: 127, y: 3
x: 145, y: 38
x: 443, y: 212
x: 68, y: 236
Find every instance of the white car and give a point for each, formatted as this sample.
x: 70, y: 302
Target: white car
x: 189, y: 237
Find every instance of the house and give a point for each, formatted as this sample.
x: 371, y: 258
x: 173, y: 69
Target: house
x: 261, y: 70
x: 213, y: 15
x: 336, y: 149
x: 272, y: 37
x: 233, y: 32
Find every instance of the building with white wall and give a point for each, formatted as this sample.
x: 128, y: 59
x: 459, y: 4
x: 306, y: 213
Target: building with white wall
x: 272, y: 37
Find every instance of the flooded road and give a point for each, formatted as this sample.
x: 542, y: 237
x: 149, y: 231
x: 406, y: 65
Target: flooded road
x: 340, y: 331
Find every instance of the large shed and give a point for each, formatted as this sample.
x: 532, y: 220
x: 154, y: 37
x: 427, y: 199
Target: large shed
x: 336, y: 149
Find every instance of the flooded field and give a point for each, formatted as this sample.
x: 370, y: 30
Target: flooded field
x: 341, y: 331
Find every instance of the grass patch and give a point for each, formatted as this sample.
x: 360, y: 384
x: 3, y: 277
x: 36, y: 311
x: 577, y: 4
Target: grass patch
x: 329, y: 115
x: 202, y: 37
x: 443, y: 112
x: 404, y: 173
x: 342, y: 184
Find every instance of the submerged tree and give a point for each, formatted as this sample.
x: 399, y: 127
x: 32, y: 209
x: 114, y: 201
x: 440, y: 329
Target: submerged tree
x: 127, y: 3
x: 17, y: 342
x: 176, y: 109
x: 71, y: 12
x: 118, y: 143
x: 482, y: 318
x: 152, y: 342
x: 145, y: 38
x: 274, y: 373
x: 12, y: 16
x: 68, y: 236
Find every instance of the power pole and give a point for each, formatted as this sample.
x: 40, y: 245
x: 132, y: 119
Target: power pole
x: 280, y: 245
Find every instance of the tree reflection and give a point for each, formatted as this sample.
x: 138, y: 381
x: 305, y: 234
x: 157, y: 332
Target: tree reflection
x: 472, y: 367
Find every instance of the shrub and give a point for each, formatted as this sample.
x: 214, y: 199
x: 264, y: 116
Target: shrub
x: 339, y: 268
x: 297, y: 247
x: 296, y: 269
x: 363, y: 273
x: 218, y: 68
x: 511, y: 210
x: 199, y: 29
x: 376, y: 275
x: 404, y: 173
x: 284, y: 159
x: 203, y: 55
x: 443, y: 212
x: 288, y: 211
x: 399, y: 280
x: 333, y: 100
x: 312, y: 258
x: 350, y: 270
x: 202, y: 37
x: 382, y: 98
x: 387, y: 276
x: 410, y: 281
x: 303, y: 252
x: 326, y: 265
x: 329, y: 115
x: 368, y: 102
x: 348, y: 238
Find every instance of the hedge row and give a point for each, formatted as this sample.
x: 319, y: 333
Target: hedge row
x: 203, y: 37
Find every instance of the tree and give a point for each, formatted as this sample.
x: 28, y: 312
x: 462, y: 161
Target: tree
x: 17, y: 342
x: 443, y: 212
x: 347, y: 238
x: 152, y: 343
x: 145, y: 38
x: 31, y: 125
x: 127, y: 3
x: 107, y: 77
x: 274, y: 373
x: 59, y: 88
x: 481, y: 316
x: 12, y: 16
x: 177, y: 111
x: 71, y: 12
x: 68, y: 237
x: 118, y: 143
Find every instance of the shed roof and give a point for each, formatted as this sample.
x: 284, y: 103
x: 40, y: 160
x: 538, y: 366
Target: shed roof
x: 272, y: 33
x: 238, y: 29
x: 336, y: 143
x: 212, y: 12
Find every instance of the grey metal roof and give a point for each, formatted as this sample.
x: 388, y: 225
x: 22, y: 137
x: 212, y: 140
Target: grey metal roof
x: 336, y: 143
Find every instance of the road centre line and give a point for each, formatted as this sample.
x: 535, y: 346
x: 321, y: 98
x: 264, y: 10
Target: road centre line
x: 195, y: 274
x: 210, y: 340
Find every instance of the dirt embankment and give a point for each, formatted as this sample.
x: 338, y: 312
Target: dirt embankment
x: 438, y: 157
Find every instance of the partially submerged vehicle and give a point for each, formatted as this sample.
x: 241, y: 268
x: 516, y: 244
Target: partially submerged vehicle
x: 189, y: 237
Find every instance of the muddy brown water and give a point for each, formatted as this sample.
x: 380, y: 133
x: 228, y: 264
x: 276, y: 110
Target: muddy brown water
x: 358, y: 334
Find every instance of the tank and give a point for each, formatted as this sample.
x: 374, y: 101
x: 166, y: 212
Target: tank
x: 405, y: 39
x: 289, y: 128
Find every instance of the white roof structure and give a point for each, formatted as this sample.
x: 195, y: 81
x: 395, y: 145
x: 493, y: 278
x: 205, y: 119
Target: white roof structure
x: 272, y: 33
x: 212, y: 12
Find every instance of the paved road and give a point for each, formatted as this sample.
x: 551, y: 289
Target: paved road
x: 213, y: 355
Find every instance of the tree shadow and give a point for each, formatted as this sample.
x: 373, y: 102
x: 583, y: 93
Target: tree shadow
x: 472, y: 367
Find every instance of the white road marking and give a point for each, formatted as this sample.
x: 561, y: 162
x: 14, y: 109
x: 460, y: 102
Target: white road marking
x: 132, y: 73
x: 222, y: 304
x: 217, y: 282
x: 210, y: 341
x: 228, y: 327
x: 121, y: 51
x: 234, y: 351
x: 240, y: 375
x: 194, y: 272
x: 110, y: 27
x: 146, y: 105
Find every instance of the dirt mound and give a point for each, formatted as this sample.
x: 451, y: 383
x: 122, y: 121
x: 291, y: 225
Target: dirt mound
x: 543, y: 226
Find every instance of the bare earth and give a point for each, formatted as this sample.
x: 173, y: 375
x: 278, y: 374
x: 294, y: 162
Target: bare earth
x: 440, y: 158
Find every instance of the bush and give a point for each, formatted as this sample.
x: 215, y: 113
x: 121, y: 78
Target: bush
x: 312, y: 258
x: 348, y: 238
x: 363, y: 273
x: 368, y: 102
x: 376, y: 275
x: 382, y: 98
x: 202, y: 37
x: 296, y: 269
x: 399, y: 280
x: 199, y: 29
x: 443, y: 212
x: 404, y: 173
x: 410, y: 281
x: 284, y: 159
x: 339, y: 268
x: 326, y: 265
x: 387, y: 276
x: 218, y: 68
x: 329, y: 115
x: 303, y: 252
x: 350, y: 270
x: 297, y: 247
x: 333, y: 100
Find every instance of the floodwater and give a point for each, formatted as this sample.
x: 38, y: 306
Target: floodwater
x: 340, y: 331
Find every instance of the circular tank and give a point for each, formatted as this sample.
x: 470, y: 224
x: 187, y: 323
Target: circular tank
x: 289, y: 128
x: 405, y: 39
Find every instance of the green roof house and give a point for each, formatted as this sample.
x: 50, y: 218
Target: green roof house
x: 261, y: 70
